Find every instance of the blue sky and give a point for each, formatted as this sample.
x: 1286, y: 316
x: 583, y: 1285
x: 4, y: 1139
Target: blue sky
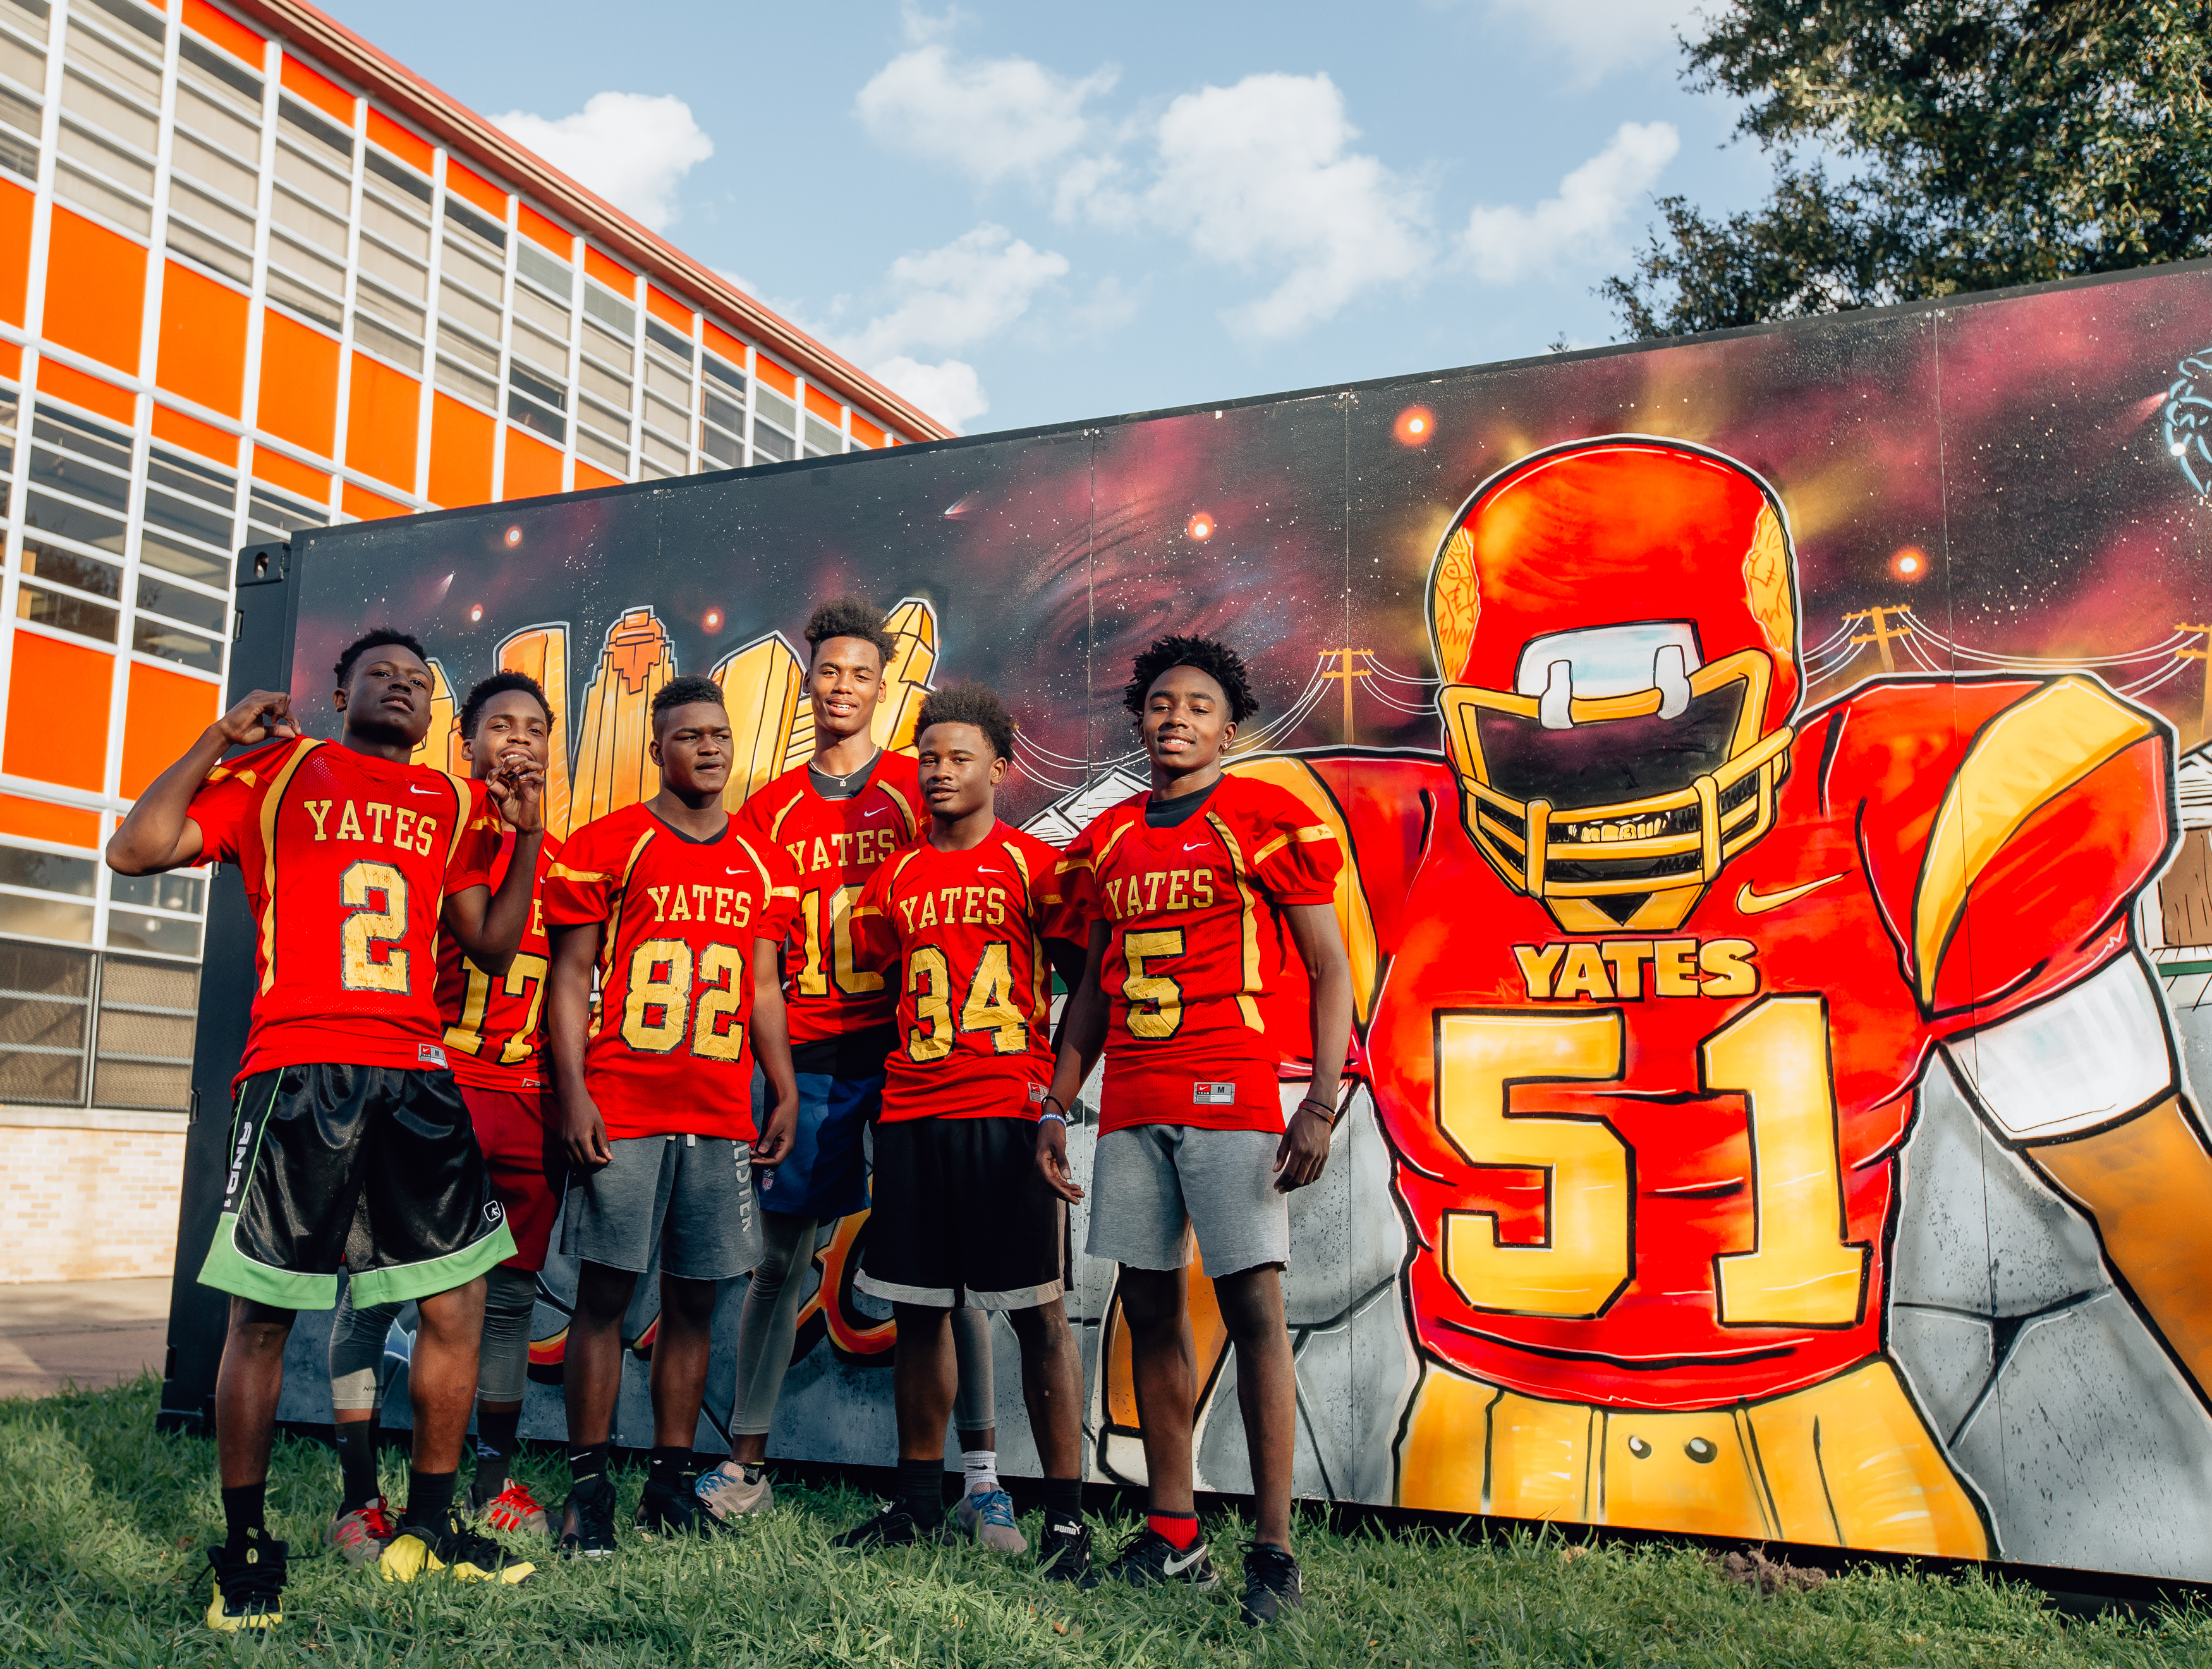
x: 1024, y: 214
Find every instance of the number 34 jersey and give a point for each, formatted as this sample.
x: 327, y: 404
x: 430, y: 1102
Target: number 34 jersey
x: 1660, y: 1169
x: 347, y: 860
x: 493, y: 1025
x: 670, y: 1052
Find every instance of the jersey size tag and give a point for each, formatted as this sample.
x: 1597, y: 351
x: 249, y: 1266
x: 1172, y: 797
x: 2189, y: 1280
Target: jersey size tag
x: 1213, y: 1094
x: 1037, y: 1092
x: 430, y: 1055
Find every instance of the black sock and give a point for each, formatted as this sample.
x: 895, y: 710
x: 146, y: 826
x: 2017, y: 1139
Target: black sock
x: 242, y: 1511
x: 357, y: 1441
x: 921, y: 1490
x: 587, y: 1461
x: 672, y: 1468
x: 429, y: 1498
x: 1063, y: 1501
x: 497, y: 1437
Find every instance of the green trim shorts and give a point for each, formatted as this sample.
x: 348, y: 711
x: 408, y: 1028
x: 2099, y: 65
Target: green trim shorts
x: 372, y: 1168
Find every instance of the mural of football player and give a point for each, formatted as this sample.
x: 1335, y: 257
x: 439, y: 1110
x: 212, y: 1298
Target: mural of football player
x: 1669, y: 975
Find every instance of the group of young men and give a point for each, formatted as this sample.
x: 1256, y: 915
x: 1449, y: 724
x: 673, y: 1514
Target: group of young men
x: 678, y: 1034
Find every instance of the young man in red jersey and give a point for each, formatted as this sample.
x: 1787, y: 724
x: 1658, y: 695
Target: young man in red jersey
x: 492, y: 1035
x: 968, y: 926
x: 1179, y: 883
x: 351, y: 1144
x: 681, y: 914
x: 837, y: 818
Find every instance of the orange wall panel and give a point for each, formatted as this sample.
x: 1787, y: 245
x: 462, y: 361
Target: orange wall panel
x: 533, y: 468
x: 473, y: 187
x: 60, y: 382
x: 460, y: 453
x: 618, y: 279
x: 163, y: 715
x: 193, y: 435
x: 668, y: 310
x: 823, y: 406
x: 865, y: 432
x: 95, y: 291
x: 360, y: 502
x: 279, y: 470
x: 317, y: 88
x: 721, y: 342
x: 588, y: 476
x: 775, y: 376
x: 299, y: 383
x: 202, y: 347
x: 50, y: 682
x: 416, y: 153
x: 383, y: 419
x: 42, y: 820
x: 224, y: 31
x: 536, y: 226
x: 15, y: 205
x: 11, y: 361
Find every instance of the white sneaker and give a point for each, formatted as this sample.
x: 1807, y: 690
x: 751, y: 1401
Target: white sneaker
x: 988, y: 1516
x: 734, y: 1489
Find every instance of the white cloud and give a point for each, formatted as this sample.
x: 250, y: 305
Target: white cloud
x: 1598, y: 36
x: 950, y: 392
x: 1505, y: 245
x: 632, y: 150
x: 989, y: 117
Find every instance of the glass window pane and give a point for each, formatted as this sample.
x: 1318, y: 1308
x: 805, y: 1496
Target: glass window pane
x: 182, y: 603
x: 88, y: 437
x: 470, y: 351
x: 40, y: 918
x: 135, y: 17
x: 458, y: 379
x: 308, y: 125
x: 19, y: 158
x: 661, y: 336
x: 304, y: 221
x: 400, y: 315
x: 731, y: 417
x: 30, y: 67
x: 87, y: 193
x: 160, y: 551
x: 49, y: 871
x: 219, y: 74
x: 216, y: 487
x: 612, y: 421
x: 126, y: 70
x: 68, y: 521
x: 301, y: 299
x: 822, y: 438
x: 68, y: 567
x: 721, y: 448
x: 156, y: 637
x: 534, y: 263
x: 159, y: 892
x: 538, y: 388
x: 91, y: 103
x: 130, y: 929
x: 462, y: 308
x: 619, y: 352
x: 553, y: 320
x: 389, y: 171
x: 610, y: 456
x: 773, y: 443
x: 379, y: 338
x: 65, y: 613
x: 530, y: 416
x: 402, y: 231
x: 778, y: 410
x: 196, y: 246
x: 670, y: 418
x: 548, y: 356
x: 84, y: 480
x: 220, y: 124
x: 458, y: 214
x: 604, y: 384
x: 610, y: 310
x: 211, y: 168
x: 192, y: 519
x: 394, y: 269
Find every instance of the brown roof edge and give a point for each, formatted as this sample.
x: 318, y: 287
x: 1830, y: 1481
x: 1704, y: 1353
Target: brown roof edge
x: 462, y: 130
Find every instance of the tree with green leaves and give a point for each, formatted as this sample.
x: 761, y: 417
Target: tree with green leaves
x: 1987, y: 143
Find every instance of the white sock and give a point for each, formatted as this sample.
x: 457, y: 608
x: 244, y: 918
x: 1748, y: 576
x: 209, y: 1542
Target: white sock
x: 982, y: 1466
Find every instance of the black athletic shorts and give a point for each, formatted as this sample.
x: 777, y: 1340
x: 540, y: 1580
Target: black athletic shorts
x: 961, y: 1217
x: 372, y: 1168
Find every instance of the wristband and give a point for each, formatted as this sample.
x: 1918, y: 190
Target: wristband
x: 1327, y: 1112
x: 1060, y: 1119
x: 1046, y: 1112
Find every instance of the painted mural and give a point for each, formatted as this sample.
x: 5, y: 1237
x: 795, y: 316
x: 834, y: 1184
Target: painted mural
x: 1780, y: 900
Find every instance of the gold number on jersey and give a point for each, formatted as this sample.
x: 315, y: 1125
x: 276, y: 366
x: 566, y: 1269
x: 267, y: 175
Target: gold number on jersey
x: 1802, y: 1271
x: 1582, y: 1261
x: 814, y: 977
x: 372, y: 922
x: 990, y: 1006
x: 929, y: 981
x: 525, y: 976
x: 715, y: 1033
x: 659, y: 982
x: 1155, y: 1000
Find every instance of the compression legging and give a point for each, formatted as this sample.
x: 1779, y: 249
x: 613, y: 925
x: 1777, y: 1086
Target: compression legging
x: 357, y: 1338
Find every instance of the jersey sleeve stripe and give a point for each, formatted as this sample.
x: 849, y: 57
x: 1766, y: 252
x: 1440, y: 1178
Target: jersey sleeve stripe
x: 905, y: 810
x: 558, y: 871
x: 775, y: 824
x: 462, y: 807
x: 269, y: 803
x: 768, y: 885
x: 1020, y: 864
x: 1302, y: 836
x: 1248, y: 922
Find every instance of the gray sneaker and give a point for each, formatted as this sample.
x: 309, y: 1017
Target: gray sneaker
x: 988, y: 1517
x: 733, y: 1490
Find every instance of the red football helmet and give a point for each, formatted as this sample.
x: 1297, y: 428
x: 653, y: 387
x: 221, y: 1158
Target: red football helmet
x: 1616, y: 621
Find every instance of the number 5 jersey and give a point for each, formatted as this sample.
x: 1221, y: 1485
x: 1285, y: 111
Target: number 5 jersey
x: 347, y: 860
x: 671, y: 1052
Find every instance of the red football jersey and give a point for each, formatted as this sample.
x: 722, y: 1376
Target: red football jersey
x: 1659, y: 1170
x: 347, y: 860
x: 669, y: 1053
x: 962, y: 934
x: 493, y: 1033
x: 1194, y: 943
x: 835, y: 847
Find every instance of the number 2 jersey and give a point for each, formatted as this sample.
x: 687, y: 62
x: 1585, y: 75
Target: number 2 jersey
x: 494, y: 1034
x: 670, y: 1052
x: 1195, y: 944
x: 347, y: 860
x: 962, y: 934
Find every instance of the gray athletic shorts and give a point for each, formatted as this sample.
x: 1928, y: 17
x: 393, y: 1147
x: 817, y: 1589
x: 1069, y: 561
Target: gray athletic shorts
x: 692, y: 1196
x: 1149, y: 1182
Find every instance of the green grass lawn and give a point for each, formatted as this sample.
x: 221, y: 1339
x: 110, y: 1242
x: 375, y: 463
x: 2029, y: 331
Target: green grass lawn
x: 102, y: 1523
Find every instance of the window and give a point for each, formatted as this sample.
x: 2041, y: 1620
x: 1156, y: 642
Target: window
x: 607, y: 454
x: 296, y: 121
x: 481, y: 227
x: 386, y: 325
x: 135, y: 17
x: 776, y: 423
x: 620, y: 354
x: 20, y: 109
x: 673, y: 458
x: 202, y: 228
x: 397, y: 227
x: 548, y: 356
x: 604, y: 384
x: 821, y: 439
x: 388, y: 174
x: 110, y: 95
x: 667, y: 417
x: 272, y: 515
x: 459, y: 264
x: 31, y: 16
x: 80, y: 467
x: 221, y: 76
x: 212, y: 168
x: 555, y: 276
x: 528, y: 401
x: 45, y: 1000
x: 186, y: 527
x: 458, y: 306
x: 143, y: 1054
x: 553, y: 320
x: 658, y: 335
x: 458, y: 380
x: 605, y: 305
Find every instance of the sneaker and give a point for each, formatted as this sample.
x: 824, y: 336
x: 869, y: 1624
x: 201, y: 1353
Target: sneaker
x: 588, y: 1522
x: 419, y: 1548
x: 1063, y: 1553
x: 733, y: 1490
x: 674, y: 1510
x: 363, y: 1533
x: 893, y: 1527
x: 987, y: 1516
x: 514, y: 1509
x: 1149, y: 1557
x: 249, y: 1585
x: 1271, y: 1583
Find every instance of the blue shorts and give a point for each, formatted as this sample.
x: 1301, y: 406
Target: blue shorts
x: 826, y: 1175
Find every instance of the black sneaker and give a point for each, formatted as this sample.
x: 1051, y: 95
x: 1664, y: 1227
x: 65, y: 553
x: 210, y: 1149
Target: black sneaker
x: 1063, y: 1553
x: 453, y: 1547
x: 673, y: 1508
x: 1271, y: 1583
x: 588, y: 1522
x: 893, y: 1527
x: 1149, y: 1557
x: 249, y: 1585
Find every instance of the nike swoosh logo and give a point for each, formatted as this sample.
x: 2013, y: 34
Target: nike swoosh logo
x: 1201, y: 847
x: 1176, y: 1567
x: 731, y: 872
x: 412, y: 789
x: 1758, y: 903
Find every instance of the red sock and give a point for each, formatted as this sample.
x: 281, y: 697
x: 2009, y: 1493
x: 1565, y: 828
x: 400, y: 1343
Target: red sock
x: 1180, y: 1528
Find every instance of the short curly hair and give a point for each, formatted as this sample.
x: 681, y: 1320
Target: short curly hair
x: 1209, y: 655
x: 499, y: 685
x: 681, y: 692
x: 970, y: 703
x: 383, y: 637
x: 851, y: 617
